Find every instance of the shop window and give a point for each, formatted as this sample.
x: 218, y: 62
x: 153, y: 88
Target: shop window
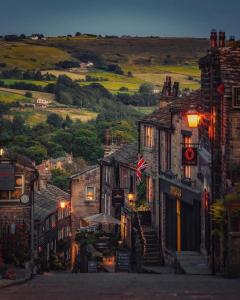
x: 90, y: 193
x: 236, y: 97
x: 149, y: 136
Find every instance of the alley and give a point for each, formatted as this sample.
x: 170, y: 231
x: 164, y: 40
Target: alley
x: 61, y: 286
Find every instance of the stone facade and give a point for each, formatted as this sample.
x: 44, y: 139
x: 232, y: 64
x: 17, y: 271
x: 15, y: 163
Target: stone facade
x: 15, y: 216
x: 85, y: 195
x: 162, y: 136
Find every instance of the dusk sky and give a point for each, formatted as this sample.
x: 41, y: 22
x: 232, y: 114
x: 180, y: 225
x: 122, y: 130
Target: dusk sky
x: 118, y: 17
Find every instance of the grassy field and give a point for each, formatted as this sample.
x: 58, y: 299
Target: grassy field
x: 35, y: 95
x: 115, y: 82
x: 71, y: 75
x: 33, y: 117
x: 29, y: 56
x: 35, y: 82
x: 187, y: 75
x: 9, y: 97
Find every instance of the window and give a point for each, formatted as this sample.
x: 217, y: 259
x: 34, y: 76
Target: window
x: 90, y: 193
x: 150, y: 189
x: 53, y: 221
x: 168, y: 150
x: 236, y: 97
x: 107, y: 175
x: 148, y: 136
x: 17, y: 192
x: 187, y: 169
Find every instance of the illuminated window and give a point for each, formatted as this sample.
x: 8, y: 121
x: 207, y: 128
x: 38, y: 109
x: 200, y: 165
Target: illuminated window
x: 150, y: 188
x: 236, y: 97
x: 90, y: 193
x: 17, y: 192
x: 148, y: 136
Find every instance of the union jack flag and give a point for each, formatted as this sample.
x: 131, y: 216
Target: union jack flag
x: 141, y: 166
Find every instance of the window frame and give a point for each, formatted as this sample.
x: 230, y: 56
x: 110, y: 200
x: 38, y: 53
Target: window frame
x: 9, y: 199
x: 86, y: 193
x: 236, y: 102
x: 148, y: 136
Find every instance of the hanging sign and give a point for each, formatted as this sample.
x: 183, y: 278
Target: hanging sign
x: 189, y: 156
x: 117, y: 197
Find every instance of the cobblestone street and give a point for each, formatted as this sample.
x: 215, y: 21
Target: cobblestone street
x: 61, y: 286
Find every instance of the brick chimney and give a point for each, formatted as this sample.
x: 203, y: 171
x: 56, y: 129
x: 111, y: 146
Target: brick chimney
x: 232, y: 42
x: 175, y: 90
x: 107, y: 137
x: 213, y: 39
x: 222, y: 39
x: 169, y: 85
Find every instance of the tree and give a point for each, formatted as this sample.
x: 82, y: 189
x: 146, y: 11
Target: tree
x: 18, y: 124
x: 37, y: 153
x: 54, y: 120
x: 87, y: 145
x: 146, y: 88
x: 60, y: 178
x: 28, y: 95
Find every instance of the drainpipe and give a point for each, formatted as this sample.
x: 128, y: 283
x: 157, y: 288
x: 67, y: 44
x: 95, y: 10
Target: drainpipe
x: 159, y: 194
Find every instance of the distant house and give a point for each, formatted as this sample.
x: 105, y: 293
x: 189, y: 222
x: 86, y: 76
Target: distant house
x: 84, y: 65
x: 45, y: 168
x: 42, y: 103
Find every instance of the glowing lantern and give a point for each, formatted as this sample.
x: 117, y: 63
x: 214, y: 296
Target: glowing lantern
x: 193, y: 118
x: 131, y: 197
x: 63, y: 204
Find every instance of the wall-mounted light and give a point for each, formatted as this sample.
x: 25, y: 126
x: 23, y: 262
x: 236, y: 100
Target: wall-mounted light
x: 131, y: 197
x: 1, y: 152
x: 193, y: 118
x: 63, y: 204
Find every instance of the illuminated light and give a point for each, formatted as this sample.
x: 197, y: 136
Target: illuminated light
x: 63, y: 204
x: 193, y: 118
x: 1, y: 151
x: 131, y: 197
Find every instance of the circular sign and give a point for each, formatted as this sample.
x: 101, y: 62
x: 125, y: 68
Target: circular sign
x: 189, y: 154
x: 24, y: 199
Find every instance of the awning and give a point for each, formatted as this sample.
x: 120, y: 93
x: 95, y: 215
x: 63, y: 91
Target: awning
x: 102, y: 218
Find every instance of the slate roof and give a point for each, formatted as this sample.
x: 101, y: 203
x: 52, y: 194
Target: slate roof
x: 162, y: 116
x: 127, y: 154
x: 21, y: 159
x: 84, y: 170
x: 46, y: 201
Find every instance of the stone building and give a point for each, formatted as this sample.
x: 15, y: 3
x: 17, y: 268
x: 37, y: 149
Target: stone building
x: 172, y: 188
x: 18, y: 179
x: 52, y: 224
x: 118, y: 180
x: 85, y: 199
x: 220, y: 140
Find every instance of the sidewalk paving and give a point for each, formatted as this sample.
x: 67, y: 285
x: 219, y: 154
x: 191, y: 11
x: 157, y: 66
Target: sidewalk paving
x: 22, y: 276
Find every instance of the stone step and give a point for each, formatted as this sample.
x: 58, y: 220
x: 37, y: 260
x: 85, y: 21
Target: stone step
x: 193, y: 263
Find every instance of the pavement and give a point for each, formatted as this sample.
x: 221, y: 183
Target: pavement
x: 22, y: 276
x: 124, y: 286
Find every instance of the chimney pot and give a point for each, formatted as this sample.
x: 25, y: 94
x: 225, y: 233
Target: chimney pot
x: 213, y: 39
x: 222, y: 39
